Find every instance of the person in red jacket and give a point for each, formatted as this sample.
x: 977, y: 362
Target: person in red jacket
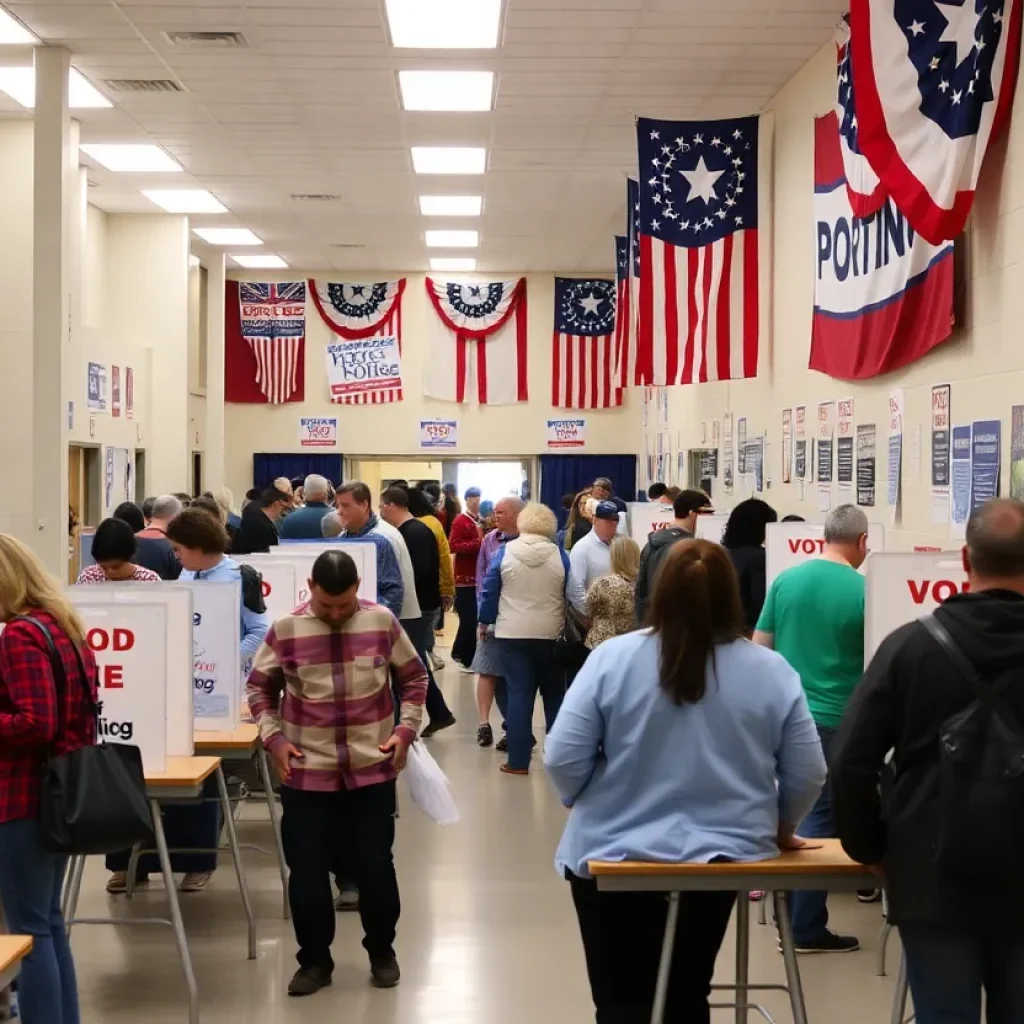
x: 465, y: 539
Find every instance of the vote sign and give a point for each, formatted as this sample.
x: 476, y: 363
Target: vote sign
x: 363, y: 365
x: 301, y: 555
x: 647, y: 516
x: 439, y: 433
x: 317, y: 432
x: 567, y: 433
x: 789, y: 544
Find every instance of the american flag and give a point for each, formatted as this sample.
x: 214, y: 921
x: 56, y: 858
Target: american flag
x: 583, y: 350
x: 274, y: 324
x: 623, y: 306
x: 626, y: 324
x: 698, y: 296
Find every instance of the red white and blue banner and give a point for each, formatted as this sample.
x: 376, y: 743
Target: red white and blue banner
x: 699, y: 259
x: 627, y: 322
x: 623, y: 309
x: 583, y: 361
x: 478, y: 348
x: 361, y: 316
x: 272, y: 322
x: 934, y: 83
x: 883, y: 295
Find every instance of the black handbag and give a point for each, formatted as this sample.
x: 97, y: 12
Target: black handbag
x: 570, y: 650
x: 94, y: 799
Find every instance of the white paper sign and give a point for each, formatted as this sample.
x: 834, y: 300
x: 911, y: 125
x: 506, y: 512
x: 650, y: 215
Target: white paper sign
x: 319, y: 432
x: 647, y: 516
x: 279, y: 584
x: 712, y: 527
x: 304, y: 553
x: 567, y: 433
x: 789, y: 544
x: 439, y: 433
x: 363, y: 365
x: 902, y: 587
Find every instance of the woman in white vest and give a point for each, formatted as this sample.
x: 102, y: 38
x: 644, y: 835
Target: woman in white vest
x: 523, y: 597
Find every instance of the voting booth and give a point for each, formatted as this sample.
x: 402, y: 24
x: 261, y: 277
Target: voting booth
x: 789, y: 544
x: 904, y: 586
x: 302, y: 554
x: 647, y: 516
x: 711, y: 527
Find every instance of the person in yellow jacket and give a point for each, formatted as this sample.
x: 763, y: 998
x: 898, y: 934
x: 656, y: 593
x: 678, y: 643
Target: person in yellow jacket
x: 421, y: 507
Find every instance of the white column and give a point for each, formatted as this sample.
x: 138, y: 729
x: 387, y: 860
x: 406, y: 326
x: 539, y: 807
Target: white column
x: 54, y: 179
x: 213, y: 459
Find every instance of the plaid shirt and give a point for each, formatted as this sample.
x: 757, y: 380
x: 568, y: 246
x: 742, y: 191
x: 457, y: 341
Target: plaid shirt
x: 35, y: 722
x: 337, y: 706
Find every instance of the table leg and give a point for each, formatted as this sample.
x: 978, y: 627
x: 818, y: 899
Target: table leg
x: 785, y: 926
x: 261, y: 757
x: 236, y: 856
x: 72, y: 890
x: 665, y: 964
x: 899, y: 1002
x: 742, y: 955
x: 883, y: 939
x: 175, y: 908
x: 762, y: 908
x: 133, y: 870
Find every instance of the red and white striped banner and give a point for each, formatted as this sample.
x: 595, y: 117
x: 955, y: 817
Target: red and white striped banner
x: 583, y: 373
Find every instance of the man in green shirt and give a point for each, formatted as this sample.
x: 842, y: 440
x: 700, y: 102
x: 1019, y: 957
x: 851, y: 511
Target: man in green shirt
x: 814, y: 617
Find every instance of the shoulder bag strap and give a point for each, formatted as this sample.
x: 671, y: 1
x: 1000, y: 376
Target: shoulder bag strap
x: 60, y: 676
x: 988, y: 693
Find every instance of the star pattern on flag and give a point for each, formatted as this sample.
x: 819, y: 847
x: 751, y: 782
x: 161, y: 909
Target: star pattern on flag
x: 844, y: 94
x: 586, y: 307
x: 359, y: 301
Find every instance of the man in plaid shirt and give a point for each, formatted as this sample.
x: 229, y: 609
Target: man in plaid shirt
x: 320, y: 688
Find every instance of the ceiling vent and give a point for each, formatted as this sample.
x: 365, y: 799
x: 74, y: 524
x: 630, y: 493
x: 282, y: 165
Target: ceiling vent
x: 141, y: 85
x: 315, y: 197
x: 209, y: 40
x: 346, y: 245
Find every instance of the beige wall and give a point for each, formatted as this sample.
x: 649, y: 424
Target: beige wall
x: 984, y: 361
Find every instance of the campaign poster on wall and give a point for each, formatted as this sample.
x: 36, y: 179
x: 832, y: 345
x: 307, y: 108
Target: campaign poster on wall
x: 1017, y: 452
x: 844, y: 443
x: 866, y: 450
x: 129, y: 393
x: 363, y: 366
x: 115, y: 392
x: 895, y: 462
x: 439, y: 434
x: 567, y: 433
x: 787, y: 445
x: 96, y: 387
x: 960, y: 480
x: 986, y: 438
x: 825, y: 430
x: 318, y: 432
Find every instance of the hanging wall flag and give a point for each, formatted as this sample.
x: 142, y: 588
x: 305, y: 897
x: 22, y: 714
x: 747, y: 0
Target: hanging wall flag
x: 627, y: 322
x: 934, y: 83
x: 479, y: 343
x: 623, y: 311
x: 355, y: 313
x: 883, y: 295
x: 583, y: 355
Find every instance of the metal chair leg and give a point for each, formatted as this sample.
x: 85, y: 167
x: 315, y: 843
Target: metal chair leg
x: 762, y: 909
x: 785, y: 925
x: 665, y: 964
x: 133, y: 871
x: 742, y: 956
x: 236, y: 856
x: 275, y: 824
x: 73, y: 890
x: 899, y: 1001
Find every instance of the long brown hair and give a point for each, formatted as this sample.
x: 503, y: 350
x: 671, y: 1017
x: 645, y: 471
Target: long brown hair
x: 695, y: 605
x: 574, y: 516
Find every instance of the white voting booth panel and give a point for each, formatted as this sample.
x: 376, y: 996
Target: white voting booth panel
x: 712, y: 527
x: 281, y: 592
x: 905, y: 586
x: 789, y: 544
x: 647, y: 516
x: 304, y: 553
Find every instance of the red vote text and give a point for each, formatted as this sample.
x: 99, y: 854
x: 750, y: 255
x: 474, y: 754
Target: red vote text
x: 807, y: 545
x: 111, y: 676
x: 940, y: 590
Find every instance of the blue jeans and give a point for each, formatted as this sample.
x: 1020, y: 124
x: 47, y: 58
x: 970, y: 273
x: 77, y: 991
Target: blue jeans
x: 809, y: 910
x: 419, y: 632
x: 528, y: 666
x: 948, y: 967
x: 30, y: 886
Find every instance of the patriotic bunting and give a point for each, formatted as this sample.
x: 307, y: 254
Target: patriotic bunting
x: 271, y: 327
x: 583, y: 354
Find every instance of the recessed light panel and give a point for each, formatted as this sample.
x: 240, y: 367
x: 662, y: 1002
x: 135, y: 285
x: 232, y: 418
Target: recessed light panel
x: 447, y: 90
x: 453, y: 239
x: 184, y: 200
x: 130, y: 158
x: 227, y: 236
x: 444, y: 24
x: 13, y: 33
x: 20, y: 84
x: 448, y: 160
x: 252, y: 261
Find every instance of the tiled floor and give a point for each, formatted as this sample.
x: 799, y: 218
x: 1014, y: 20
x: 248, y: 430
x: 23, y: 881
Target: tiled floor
x: 487, y: 936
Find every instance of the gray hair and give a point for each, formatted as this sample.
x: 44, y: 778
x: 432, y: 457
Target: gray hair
x: 314, y: 487
x: 845, y: 525
x: 995, y: 538
x: 515, y: 505
x: 331, y: 525
x: 166, y: 507
x: 537, y: 519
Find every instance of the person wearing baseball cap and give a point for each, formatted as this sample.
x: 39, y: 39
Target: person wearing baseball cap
x: 591, y: 557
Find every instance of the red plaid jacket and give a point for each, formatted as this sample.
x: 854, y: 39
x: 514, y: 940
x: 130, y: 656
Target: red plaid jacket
x: 36, y: 723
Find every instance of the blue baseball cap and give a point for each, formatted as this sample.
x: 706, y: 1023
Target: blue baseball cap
x: 472, y: 492
x: 607, y: 510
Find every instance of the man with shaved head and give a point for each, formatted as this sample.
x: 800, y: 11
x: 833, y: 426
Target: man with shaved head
x: 950, y: 838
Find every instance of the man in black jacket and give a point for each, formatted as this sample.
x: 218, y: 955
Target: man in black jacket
x: 258, y: 532
x: 961, y: 932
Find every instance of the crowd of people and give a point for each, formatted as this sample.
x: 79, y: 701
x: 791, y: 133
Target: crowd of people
x: 692, y: 712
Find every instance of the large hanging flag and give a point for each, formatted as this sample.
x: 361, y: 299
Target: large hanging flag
x: 363, y: 317
x: 479, y: 344
x: 699, y: 265
x: 623, y: 310
x: 883, y: 294
x: 583, y: 353
x: 264, y: 344
x: 626, y: 351
x: 862, y: 184
x: 934, y: 83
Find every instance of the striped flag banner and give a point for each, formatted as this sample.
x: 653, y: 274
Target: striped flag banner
x: 626, y: 324
x: 583, y: 350
x: 273, y: 322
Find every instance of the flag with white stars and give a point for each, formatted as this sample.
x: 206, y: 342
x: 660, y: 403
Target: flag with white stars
x: 354, y: 312
x: 698, y: 294
x: 626, y: 320
x: 583, y: 351
x: 272, y: 323
x: 933, y: 84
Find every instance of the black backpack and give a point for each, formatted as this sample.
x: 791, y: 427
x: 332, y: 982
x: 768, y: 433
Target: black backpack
x: 980, y: 811
x: 252, y: 589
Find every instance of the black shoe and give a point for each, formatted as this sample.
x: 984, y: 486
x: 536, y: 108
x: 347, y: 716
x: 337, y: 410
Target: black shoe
x: 502, y: 744
x: 384, y: 972
x: 869, y: 895
x: 308, y: 981
x: 444, y: 723
x: 830, y: 943
x: 485, y: 736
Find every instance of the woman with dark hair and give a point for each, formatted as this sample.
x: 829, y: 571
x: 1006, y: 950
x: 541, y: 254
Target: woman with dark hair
x: 130, y: 513
x: 452, y: 507
x: 744, y: 540
x: 113, y: 549
x: 578, y: 524
x: 714, y: 768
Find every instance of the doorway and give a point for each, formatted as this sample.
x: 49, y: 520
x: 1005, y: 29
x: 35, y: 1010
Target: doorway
x: 140, y: 476
x: 85, y: 499
x: 197, y: 474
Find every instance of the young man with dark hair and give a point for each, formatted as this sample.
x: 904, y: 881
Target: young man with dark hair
x: 258, y: 532
x: 336, y: 656
x: 656, y: 492
x: 604, y: 490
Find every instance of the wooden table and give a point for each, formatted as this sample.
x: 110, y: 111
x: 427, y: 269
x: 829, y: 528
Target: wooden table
x: 13, y: 949
x: 241, y: 744
x: 826, y: 868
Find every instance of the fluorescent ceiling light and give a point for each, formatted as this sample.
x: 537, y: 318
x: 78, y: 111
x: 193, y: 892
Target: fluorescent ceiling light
x: 20, y: 84
x: 459, y: 263
x: 257, y: 262
x: 184, y: 200
x: 453, y: 239
x: 12, y: 32
x: 444, y: 24
x: 130, y: 157
x: 451, y: 206
x: 447, y: 90
x: 448, y: 160
x: 227, y: 236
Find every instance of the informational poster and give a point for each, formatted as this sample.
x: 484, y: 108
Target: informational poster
x: 741, y: 445
x: 318, y: 432
x: 96, y: 387
x: 787, y: 445
x: 363, y: 366
x: 727, y: 452
x: 108, y: 480
x: 216, y: 642
x: 986, y: 438
x: 567, y: 433
x: 129, y: 393
x: 895, y: 461
x: 71, y: 415
x: 115, y: 392
x: 844, y: 444
x: 866, y: 452
x: 825, y: 432
x: 1017, y: 452
x: 800, y: 442
x: 940, y: 435
x: 436, y: 434
x: 662, y: 407
x: 960, y: 481
x: 645, y: 517
x: 789, y: 544
x: 755, y: 462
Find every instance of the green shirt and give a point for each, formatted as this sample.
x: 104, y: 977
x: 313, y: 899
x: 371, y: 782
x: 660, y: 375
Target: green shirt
x: 815, y: 611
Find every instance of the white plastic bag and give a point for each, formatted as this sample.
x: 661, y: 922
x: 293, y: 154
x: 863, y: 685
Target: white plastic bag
x: 429, y: 786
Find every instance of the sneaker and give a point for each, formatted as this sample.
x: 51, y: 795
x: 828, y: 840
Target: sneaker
x: 348, y: 899
x: 436, y: 662
x: 384, y: 972
x: 502, y: 744
x: 195, y: 881
x: 869, y: 895
x: 509, y: 770
x: 485, y: 736
x: 433, y: 727
x: 466, y: 670
x: 828, y: 943
x: 308, y: 981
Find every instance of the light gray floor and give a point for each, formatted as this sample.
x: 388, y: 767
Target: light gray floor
x: 487, y: 936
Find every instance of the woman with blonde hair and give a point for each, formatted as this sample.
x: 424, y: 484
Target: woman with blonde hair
x: 611, y: 599
x: 40, y: 718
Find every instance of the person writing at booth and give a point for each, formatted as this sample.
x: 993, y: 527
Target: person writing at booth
x: 113, y: 548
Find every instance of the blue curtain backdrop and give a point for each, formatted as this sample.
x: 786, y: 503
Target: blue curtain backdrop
x: 267, y: 467
x: 562, y: 474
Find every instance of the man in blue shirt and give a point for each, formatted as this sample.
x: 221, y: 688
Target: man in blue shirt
x: 305, y: 522
x: 591, y: 557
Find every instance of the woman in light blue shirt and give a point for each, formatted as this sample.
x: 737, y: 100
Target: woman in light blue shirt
x: 684, y: 742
